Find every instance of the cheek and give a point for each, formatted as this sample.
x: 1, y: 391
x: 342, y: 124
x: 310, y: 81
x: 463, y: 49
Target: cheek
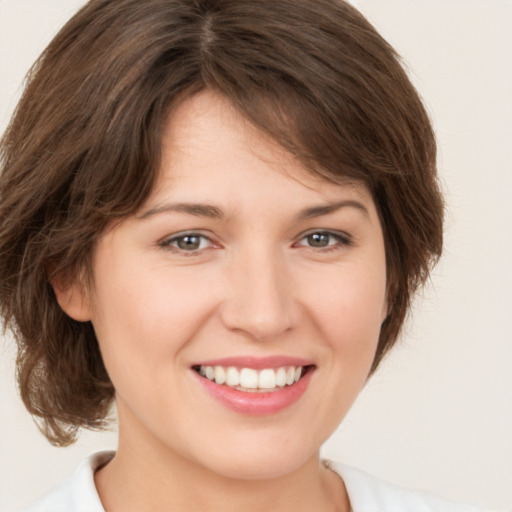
x: 350, y: 309
x: 140, y: 317
x: 349, y: 316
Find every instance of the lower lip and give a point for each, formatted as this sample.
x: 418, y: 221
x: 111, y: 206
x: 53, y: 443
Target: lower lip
x: 256, y: 403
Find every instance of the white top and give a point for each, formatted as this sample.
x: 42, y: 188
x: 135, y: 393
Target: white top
x: 366, y: 493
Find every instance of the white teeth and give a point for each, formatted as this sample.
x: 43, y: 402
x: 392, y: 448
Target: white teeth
x: 232, y: 377
x: 290, y: 376
x: 267, y: 379
x: 249, y: 379
x: 281, y: 377
x: 210, y: 372
x: 220, y: 375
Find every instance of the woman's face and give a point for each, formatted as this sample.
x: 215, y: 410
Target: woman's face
x: 244, y: 267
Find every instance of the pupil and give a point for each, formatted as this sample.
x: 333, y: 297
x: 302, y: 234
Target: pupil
x: 188, y: 242
x: 319, y: 239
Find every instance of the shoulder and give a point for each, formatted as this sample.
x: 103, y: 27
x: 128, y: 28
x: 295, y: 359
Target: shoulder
x: 369, y: 494
x: 78, y: 492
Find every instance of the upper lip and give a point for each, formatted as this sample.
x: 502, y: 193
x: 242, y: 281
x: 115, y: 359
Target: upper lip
x: 255, y: 362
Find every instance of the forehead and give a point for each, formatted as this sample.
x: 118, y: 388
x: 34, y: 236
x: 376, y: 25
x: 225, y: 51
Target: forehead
x: 207, y: 145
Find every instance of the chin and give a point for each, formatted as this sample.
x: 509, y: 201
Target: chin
x: 260, y: 469
x: 259, y: 460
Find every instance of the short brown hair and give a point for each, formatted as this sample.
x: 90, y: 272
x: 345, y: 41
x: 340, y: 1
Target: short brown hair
x: 83, y: 148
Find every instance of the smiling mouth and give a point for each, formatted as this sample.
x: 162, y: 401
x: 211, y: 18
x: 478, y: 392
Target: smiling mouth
x: 251, y: 380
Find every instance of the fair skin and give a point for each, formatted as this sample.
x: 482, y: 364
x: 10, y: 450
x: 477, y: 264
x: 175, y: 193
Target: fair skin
x: 263, y: 274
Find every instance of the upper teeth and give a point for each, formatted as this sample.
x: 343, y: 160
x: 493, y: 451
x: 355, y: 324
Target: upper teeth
x: 249, y: 378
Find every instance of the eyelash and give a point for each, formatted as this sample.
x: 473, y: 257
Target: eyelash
x: 341, y: 240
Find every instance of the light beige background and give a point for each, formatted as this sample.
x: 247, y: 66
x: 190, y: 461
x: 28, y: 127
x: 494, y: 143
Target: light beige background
x: 438, y: 415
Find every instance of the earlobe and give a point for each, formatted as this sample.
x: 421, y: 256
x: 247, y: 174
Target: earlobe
x: 73, y: 298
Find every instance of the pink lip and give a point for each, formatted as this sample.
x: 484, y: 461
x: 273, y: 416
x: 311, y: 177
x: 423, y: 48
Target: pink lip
x: 258, y: 403
x: 258, y: 363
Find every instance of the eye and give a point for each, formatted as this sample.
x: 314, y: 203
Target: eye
x: 324, y: 240
x: 186, y: 242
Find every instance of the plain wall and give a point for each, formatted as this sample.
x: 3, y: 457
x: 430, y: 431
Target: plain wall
x: 438, y: 414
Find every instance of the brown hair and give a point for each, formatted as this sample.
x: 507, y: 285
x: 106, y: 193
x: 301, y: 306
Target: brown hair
x: 83, y: 148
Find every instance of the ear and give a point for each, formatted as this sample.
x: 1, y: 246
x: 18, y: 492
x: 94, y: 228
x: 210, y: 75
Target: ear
x: 73, y: 297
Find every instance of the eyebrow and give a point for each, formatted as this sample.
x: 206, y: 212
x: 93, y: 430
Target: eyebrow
x: 214, y: 212
x: 196, y: 209
x: 318, y: 211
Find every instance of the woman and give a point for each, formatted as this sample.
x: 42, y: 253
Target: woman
x: 215, y: 212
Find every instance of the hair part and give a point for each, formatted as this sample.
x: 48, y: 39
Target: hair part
x: 83, y: 149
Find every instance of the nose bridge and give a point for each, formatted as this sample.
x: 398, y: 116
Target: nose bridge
x: 261, y: 301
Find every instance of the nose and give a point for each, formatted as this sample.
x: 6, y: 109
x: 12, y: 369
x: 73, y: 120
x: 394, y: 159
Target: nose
x: 260, y: 302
